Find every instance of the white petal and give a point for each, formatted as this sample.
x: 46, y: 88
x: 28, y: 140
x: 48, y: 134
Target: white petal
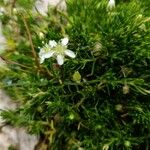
x: 70, y: 53
x: 42, y: 60
x: 64, y: 41
x: 41, y: 51
x: 60, y: 59
x: 52, y: 43
x: 111, y: 4
x: 48, y: 54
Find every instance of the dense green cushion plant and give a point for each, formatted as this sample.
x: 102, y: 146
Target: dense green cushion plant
x: 99, y: 99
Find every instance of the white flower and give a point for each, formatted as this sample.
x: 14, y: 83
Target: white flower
x: 56, y: 50
x: 111, y: 4
x: 2, y: 10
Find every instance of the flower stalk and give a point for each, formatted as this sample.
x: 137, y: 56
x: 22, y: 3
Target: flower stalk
x: 32, y: 46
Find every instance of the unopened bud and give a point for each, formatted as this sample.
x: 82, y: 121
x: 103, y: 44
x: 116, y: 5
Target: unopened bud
x: 71, y: 116
x: 15, y: 11
x: 119, y: 107
x: 127, y: 143
x: 126, y: 89
x: 41, y: 35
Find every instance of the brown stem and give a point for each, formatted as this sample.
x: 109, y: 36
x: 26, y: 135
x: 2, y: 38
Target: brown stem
x: 32, y: 46
x: 13, y: 62
x: 13, y: 3
x: 13, y: 6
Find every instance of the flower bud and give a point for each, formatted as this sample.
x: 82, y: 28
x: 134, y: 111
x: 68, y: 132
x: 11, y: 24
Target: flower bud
x: 119, y: 107
x: 127, y: 143
x: 126, y: 89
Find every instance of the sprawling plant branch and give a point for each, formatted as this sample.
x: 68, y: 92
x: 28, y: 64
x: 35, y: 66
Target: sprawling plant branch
x: 31, y: 43
x: 13, y: 62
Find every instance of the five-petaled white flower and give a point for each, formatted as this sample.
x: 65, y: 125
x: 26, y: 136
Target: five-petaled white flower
x: 56, y: 50
x: 111, y: 4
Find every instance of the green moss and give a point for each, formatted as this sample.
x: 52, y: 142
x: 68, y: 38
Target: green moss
x: 100, y: 99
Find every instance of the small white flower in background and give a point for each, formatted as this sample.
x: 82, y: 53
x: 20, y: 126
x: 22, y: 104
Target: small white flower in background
x: 41, y: 35
x: 111, y: 4
x: 56, y: 50
x: 2, y: 10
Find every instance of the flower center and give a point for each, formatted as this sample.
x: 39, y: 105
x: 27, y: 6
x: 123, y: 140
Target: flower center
x: 60, y: 49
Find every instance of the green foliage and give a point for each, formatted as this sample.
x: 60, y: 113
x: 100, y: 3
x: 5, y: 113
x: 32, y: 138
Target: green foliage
x: 100, y: 99
x: 25, y: 3
x: 11, y: 148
